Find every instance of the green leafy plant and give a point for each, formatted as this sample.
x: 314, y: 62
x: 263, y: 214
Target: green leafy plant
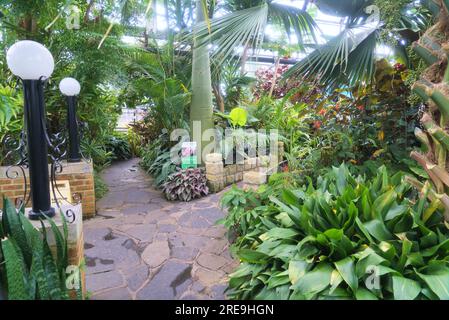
x: 344, y: 237
x: 162, y: 168
x: 156, y: 160
x: 238, y: 117
x: 28, y: 268
x: 118, y: 145
x: 186, y: 185
x: 136, y: 142
x: 101, y: 188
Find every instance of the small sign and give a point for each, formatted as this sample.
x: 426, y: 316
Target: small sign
x: 188, y: 155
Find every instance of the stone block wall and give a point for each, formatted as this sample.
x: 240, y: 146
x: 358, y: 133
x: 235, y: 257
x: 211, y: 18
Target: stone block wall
x: 219, y: 176
x: 253, y: 171
x: 80, y: 176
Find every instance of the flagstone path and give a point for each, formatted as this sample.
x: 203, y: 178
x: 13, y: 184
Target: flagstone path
x: 141, y: 246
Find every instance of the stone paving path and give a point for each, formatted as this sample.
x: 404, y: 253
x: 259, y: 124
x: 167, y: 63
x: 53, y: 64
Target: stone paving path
x: 140, y: 246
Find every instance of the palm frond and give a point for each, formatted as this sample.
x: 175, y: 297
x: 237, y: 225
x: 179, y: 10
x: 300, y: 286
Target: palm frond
x: 237, y: 29
x: 347, y: 58
x: 293, y: 19
x: 246, y: 28
x: 342, y: 8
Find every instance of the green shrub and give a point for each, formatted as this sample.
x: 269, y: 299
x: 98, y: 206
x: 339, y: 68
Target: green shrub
x: 28, y: 268
x: 162, y: 168
x: 135, y: 143
x: 345, y: 237
x: 118, y: 145
x: 156, y: 160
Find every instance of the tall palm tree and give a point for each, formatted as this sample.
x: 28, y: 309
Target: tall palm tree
x: 201, y: 109
x: 242, y: 28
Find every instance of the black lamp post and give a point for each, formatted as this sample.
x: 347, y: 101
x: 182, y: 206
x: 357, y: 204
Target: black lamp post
x: 33, y: 63
x: 71, y: 88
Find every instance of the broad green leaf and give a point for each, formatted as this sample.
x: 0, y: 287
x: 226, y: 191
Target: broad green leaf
x: 406, y: 248
x: 438, y: 282
x: 444, y: 246
x: 364, y: 230
x: 279, y: 233
x: 377, y: 229
x: 252, y: 256
x: 279, y: 280
x: 364, y: 294
x: 394, y: 211
x: 283, y: 251
x: 383, y: 203
x: 238, y: 117
x: 316, y: 280
x: 61, y: 247
x: 341, y: 178
x: 347, y: 271
x: 289, y: 197
x: 405, y: 289
x: 366, y: 207
x: 296, y: 270
x: 336, y: 279
x: 367, y: 260
x: 334, y: 234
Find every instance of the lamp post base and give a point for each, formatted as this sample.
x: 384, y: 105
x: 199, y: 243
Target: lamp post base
x: 74, y: 160
x: 41, y: 215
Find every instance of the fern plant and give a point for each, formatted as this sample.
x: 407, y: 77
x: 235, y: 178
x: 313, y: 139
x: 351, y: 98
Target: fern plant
x: 29, y: 270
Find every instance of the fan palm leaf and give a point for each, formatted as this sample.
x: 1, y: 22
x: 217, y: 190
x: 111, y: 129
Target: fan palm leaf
x: 246, y: 27
x: 349, y: 57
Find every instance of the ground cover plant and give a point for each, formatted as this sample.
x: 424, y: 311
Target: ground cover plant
x: 186, y: 185
x: 340, y: 237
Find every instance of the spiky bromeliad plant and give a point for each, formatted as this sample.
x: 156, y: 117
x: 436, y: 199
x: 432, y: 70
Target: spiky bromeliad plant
x: 433, y: 87
x: 28, y: 268
x: 344, y: 237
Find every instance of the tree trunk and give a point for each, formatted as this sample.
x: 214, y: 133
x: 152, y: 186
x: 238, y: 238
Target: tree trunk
x: 179, y: 17
x: 433, y: 88
x: 218, y: 97
x: 201, y: 110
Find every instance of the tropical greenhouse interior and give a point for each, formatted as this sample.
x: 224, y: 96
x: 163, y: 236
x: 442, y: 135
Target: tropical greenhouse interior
x: 224, y: 150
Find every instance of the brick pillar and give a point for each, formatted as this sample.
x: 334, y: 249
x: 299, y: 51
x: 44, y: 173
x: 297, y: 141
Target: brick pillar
x: 80, y: 176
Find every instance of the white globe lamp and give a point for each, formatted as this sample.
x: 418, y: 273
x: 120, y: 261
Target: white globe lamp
x: 30, y: 60
x: 69, y: 87
x: 33, y: 63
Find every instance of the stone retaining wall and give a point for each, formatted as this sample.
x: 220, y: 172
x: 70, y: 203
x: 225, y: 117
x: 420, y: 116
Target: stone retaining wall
x: 253, y: 171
